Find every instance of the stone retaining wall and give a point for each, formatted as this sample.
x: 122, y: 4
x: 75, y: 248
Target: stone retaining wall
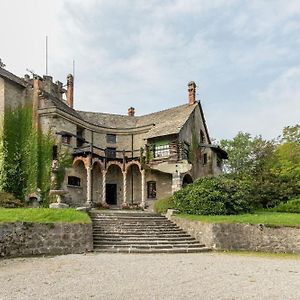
x: 24, y: 238
x: 242, y: 236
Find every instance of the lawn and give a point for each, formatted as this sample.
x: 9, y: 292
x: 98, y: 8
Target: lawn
x: 261, y: 217
x: 43, y: 215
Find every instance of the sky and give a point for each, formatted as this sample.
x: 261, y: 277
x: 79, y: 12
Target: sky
x: 243, y: 55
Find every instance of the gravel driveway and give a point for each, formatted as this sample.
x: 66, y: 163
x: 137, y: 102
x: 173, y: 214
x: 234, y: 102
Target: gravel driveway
x: 175, y: 276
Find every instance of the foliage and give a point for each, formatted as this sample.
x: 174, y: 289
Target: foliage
x: 220, y: 195
x: 43, y: 215
x: 291, y: 206
x: 8, y: 200
x: 25, y: 159
x: 161, y: 206
x: 261, y: 217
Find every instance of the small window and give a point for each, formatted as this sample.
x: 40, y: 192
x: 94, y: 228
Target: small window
x: 151, y: 189
x: 162, y: 151
x: 66, y: 139
x: 202, y: 137
x: 204, y: 158
x: 111, y: 152
x: 73, y: 180
x: 111, y: 138
x: 80, y: 136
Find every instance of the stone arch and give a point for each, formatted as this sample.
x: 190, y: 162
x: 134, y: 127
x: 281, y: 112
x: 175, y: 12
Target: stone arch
x: 134, y: 183
x: 133, y: 163
x: 187, y: 179
x: 79, y: 159
x: 111, y: 163
x: 114, y: 184
x: 97, y: 187
x: 98, y: 163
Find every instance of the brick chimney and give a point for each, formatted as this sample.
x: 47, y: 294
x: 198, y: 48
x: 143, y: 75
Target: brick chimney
x: 70, y: 90
x: 192, y: 92
x: 131, y: 111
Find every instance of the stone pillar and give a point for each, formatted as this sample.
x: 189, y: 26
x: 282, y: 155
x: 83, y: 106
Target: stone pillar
x: 143, y: 202
x: 104, y: 204
x: 124, y: 204
x: 89, y: 200
x: 176, y: 182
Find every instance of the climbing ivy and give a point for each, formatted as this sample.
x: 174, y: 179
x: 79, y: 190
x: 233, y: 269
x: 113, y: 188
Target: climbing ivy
x: 25, y: 155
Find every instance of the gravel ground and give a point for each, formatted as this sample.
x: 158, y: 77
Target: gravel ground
x: 166, y: 276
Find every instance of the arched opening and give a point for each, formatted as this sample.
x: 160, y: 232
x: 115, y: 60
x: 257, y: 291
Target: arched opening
x: 187, y: 179
x: 97, y: 184
x: 134, y: 184
x: 114, y: 185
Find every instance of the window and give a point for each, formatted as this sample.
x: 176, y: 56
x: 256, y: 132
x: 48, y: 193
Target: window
x: 162, y: 151
x: 111, y: 152
x: 111, y: 138
x: 73, y: 180
x: 204, y: 158
x: 66, y: 139
x: 80, y: 136
x: 202, y: 137
x: 151, y: 189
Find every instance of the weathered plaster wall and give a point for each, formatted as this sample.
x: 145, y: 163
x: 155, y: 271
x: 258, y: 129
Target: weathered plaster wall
x: 242, y: 236
x: 23, y: 239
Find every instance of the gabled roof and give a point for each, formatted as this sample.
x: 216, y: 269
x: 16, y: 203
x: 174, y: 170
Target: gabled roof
x: 10, y: 76
x: 167, y: 122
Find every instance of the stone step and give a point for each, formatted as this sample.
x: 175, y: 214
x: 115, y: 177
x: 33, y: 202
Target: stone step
x: 147, y: 246
x: 146, y: 243
x: 125, y: 235
x: 142, y: 238
x: 153, y: 251
x: 137, y: 232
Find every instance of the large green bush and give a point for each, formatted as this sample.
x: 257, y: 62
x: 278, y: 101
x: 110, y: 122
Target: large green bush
x: 292, y: 206
x: 220, y: 195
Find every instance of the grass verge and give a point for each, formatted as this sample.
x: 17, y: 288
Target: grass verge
x: 43, y: 215
x: 271, y: 219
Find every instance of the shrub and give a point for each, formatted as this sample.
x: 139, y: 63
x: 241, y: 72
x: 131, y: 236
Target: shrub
x: 214, y: 196
x: 7, y: 200
x: 162, y: 205
x: 292, y: 206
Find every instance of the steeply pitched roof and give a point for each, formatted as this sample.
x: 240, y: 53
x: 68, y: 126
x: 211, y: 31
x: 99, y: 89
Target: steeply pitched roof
x: 10, y: 76
x: 167, y: 122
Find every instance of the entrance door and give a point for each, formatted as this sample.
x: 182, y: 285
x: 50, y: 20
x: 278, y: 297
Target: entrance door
x: 111, y: 194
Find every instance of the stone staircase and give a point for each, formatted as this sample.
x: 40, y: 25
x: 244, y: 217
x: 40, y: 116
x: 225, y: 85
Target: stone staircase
x: 140, y: 232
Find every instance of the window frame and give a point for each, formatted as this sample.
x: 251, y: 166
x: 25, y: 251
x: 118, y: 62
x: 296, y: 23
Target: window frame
x: 162, y: 151
x: 111, y: 138
x: 74, y: 179
x: 151, y: 189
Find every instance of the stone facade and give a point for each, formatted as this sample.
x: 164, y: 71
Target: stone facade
x: 24, y: 239
x: 242, y: 236
x: 118, y: 159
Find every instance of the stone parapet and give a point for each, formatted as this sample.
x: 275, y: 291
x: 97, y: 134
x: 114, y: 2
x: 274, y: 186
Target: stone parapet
x: 24, y: 239
x: 242, y: 236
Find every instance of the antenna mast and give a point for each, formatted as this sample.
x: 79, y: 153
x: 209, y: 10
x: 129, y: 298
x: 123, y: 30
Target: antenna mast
x: 46, y: 54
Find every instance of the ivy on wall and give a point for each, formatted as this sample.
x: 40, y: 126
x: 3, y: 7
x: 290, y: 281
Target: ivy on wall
x: 25, y: 155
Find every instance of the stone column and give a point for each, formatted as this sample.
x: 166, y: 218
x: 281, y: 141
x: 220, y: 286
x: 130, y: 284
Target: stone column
x: 124, y: 204
x: 104, y: 204
x: 176, y: 182
x: 89, y: 200
x: 143, y: 202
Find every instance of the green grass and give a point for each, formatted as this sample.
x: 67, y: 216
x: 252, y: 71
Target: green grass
x: 271, y: 219
x: 43, y: 215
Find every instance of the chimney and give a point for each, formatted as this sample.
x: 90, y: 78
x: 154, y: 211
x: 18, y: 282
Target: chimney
x: 70, y: 90
x: 192, y: 92
x: 131, y: 111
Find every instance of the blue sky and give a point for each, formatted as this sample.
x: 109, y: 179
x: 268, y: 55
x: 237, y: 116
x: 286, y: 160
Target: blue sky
x: 243, y: 55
